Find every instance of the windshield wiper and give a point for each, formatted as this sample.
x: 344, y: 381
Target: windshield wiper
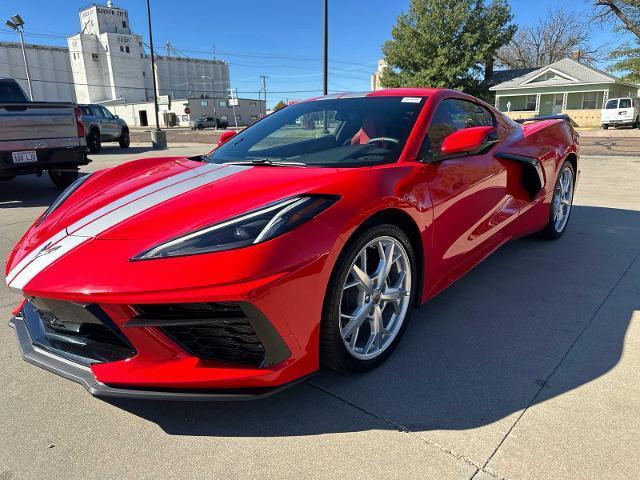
x: 265, y: 162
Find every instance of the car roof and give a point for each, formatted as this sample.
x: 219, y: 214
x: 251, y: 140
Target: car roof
x: 388, y: 92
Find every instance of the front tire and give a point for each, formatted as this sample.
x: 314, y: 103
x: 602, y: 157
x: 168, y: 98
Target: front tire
x: 369, y: 300
x: 605, y: 127
x: 62, y: 179
x: 561, y: 202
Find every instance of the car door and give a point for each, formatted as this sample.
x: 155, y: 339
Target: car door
x: 109, y: 125
x: 469, y: 193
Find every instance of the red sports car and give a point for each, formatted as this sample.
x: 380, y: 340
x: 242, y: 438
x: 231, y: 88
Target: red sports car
x: 304, y: 240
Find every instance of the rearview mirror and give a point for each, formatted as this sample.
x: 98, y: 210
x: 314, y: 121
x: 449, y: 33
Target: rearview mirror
x: 226, y: 136
x: 469, y: 141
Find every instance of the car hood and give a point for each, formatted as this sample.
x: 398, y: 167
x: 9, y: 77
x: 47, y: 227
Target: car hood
x: 160, y: 199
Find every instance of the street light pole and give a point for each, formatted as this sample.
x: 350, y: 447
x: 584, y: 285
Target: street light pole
x: 158, y: 137
x: 153, y: 67
x: 325, y: 49
x: 16, y: 23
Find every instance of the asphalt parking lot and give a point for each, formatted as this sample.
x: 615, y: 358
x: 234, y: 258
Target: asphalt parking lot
x: 527, y: 368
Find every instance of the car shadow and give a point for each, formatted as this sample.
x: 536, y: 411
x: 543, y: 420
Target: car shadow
x: 478, y: 352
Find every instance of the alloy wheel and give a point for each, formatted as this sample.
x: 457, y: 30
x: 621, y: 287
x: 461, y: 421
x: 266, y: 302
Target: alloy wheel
x: 375, y: 298
x: 562, y: 199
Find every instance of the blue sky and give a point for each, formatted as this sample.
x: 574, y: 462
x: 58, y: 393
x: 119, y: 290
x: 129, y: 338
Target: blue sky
x: 278, y: 38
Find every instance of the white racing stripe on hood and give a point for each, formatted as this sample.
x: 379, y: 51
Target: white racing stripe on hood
x: 111, y: 215
x: 172, y: 180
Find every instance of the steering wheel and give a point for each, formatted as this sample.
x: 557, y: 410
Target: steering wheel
x: 383, y: 139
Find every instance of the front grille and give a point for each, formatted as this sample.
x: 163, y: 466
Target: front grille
x: 82, y: 333
x: 213, y: 331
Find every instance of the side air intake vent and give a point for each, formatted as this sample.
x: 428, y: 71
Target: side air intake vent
x: 222, y: 331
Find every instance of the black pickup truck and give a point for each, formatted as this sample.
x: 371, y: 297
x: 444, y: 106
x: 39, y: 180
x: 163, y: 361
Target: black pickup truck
x: 39, y: 136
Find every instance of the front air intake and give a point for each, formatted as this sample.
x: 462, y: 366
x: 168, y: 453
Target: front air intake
x: 233, y: 332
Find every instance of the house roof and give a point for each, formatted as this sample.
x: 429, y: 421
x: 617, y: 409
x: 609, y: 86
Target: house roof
x: 501, y: 76
x: 567, y: 72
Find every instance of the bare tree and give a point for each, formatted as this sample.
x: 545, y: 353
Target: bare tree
x: 627, y: 11
x: 556, y: 36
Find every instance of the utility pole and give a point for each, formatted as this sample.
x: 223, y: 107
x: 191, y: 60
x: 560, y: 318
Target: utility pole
x: 16, y: 23
x: 233, y: 105
x: 213, y: 94
x: 158, y: 137
x: 264, y: 89
x: 325, y: 49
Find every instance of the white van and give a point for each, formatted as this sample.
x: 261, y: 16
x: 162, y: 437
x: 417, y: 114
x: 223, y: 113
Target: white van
x: 621, y: 111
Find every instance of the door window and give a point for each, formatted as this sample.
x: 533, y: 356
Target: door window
x: 106, y: 113
x: 452, y: 115
x: 625, y: 103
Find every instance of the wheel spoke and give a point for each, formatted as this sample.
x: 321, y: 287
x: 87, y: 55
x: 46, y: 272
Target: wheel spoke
x: 362, y: 278
x: 355, y: 320
x: 386, y: 262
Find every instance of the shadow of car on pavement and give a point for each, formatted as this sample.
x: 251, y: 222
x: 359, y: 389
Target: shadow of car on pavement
x: 478, y: 352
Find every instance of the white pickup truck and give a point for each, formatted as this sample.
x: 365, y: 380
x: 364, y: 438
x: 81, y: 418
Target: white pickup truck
x: 621, y: 111
x: 39, y: 136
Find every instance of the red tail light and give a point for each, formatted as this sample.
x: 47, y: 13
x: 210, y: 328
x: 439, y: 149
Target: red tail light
x: 79, y: 124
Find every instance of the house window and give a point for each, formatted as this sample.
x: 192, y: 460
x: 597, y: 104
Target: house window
x: 254, y: 118
x: 222, y: 103
x: 94, y: 57
x: 531, y: 103
x: 121, y: 48
x: 224, y: 118
x: 253, y: 104
x: 589, y: 100
x: 124, y: 24
x: 204, y: 103
x: 127, y: 49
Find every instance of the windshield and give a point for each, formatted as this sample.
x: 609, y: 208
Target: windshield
x: 343, y: 132
x: 612, y: 104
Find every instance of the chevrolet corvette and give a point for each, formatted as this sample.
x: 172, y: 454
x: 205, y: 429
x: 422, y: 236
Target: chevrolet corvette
x: 303, y: 241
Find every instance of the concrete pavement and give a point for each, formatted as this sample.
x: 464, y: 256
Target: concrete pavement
x: 526, y: 368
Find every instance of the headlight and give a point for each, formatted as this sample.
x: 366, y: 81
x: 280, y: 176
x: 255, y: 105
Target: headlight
x: 62, y: 197
x: 248, y: 229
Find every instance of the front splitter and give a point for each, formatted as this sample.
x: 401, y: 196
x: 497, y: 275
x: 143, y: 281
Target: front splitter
x: 83, y: 375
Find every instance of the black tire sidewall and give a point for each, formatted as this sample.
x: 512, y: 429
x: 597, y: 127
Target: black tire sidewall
x: 94, y: 141
x: 124, y: 140
x: 333, y: 352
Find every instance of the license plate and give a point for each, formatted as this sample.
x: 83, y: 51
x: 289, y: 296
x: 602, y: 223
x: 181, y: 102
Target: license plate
x: 28, y: 156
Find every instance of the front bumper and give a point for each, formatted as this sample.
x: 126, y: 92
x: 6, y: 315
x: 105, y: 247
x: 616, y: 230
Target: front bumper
x: 612, y: 123
x: 83, y: 375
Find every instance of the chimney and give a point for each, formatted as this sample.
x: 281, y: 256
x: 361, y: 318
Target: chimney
x: 576, y: 55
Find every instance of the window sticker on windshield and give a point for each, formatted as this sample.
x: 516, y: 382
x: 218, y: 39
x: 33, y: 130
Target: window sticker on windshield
x: 411, y: 99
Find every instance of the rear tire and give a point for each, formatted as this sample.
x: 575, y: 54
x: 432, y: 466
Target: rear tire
x: 93, y: 141
x: 124, y: 141
x: 62, y: 179
x: 561, y: 203
x: 376, y: 316
x: 200, y: 127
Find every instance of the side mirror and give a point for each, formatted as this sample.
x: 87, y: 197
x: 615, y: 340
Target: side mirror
x: 226, y: 136
x: 469, y: 141
x: 116, y: 116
